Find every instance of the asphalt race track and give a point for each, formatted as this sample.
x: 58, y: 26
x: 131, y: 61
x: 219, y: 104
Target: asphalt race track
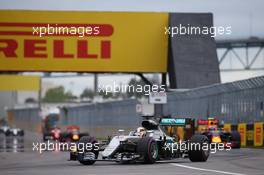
x: 234, y: 162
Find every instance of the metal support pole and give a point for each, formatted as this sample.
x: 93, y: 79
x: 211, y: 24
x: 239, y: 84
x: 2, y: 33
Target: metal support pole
x: 39, y: 93
x: 158, y: 108
x: 95, y: 83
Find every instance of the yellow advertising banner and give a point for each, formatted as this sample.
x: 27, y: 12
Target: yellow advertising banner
x: 83, y: 41
x: 258, y: 134
x: 250, y: 135
x: 19, y: 83
x: 227, y: 127
x: 242, y: 129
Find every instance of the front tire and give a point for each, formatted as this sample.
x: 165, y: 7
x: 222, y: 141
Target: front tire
x: 85, y: 140
x: 148, y: 148
x: 199, y: 155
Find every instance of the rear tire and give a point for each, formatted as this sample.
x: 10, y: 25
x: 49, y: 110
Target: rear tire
x: 199, y: 155
x: 73, y: 156
x: 85, y: 140
x: 8, y: 133
x: 235, y: 137
x: 148, y: 148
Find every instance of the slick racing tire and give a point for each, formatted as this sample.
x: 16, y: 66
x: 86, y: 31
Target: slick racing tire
x: 235, y: 139
x: 8, y: 133
x: 85, y: 140
x: 148, y: 148
x: 73, y: 156
x: 198, y: 154
x: 45, y: 137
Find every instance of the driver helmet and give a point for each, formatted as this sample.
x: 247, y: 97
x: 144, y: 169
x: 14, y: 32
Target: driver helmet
x: 141, y: 131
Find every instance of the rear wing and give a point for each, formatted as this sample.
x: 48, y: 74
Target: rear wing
x: 72, y: 127
x: 208, y: 122
x: 182, y: 127
x: 173, y: 121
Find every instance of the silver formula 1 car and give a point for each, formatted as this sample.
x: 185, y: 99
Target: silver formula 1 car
x: 148, y: 144
x: 11, y: 131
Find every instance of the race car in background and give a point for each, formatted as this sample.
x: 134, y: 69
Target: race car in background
x: 210, y: 128
x: 53, y: 134
x: 15, y: 132
x: 72, y: 134
x: 11, y: 131
x: 4, y: 129
x: 50, y: 129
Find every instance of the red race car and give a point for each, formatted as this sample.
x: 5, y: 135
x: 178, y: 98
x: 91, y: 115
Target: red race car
x: 72, y: 134
x: 210, y: 128
x: 53, y: 134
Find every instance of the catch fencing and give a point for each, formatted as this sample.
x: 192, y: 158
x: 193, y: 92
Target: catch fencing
x: 236, y: 102
x: 103, y: 119
x: 25, y: 118
x: 100, y: 119
x: 233, y: 103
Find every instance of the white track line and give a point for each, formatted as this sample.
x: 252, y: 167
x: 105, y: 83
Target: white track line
x: 208, y: 170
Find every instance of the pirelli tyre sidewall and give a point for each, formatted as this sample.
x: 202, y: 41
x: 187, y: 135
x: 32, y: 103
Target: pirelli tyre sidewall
x: 199, y: 155
x: 86, y: 140
x: 147, y: 147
